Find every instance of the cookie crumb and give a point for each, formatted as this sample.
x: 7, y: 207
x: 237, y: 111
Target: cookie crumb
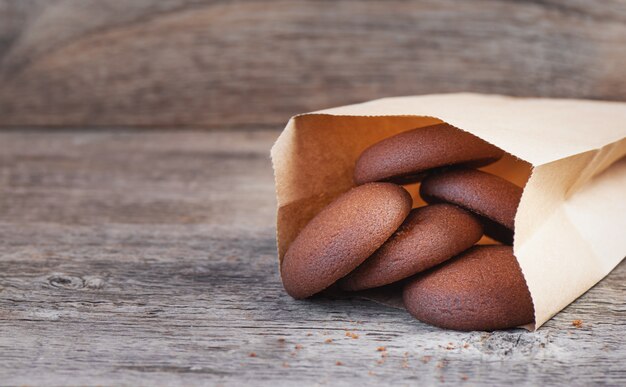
x: 464, y: 377
x: 309, y: 334
x: 281, y: 340
x: 381, y: 349
x: 352, y: 335
x: 298, y: 347
x: 285, y: 365
x: 426, y: 359
x: 338, y: 363
x: 466, y: 345
x: 328, y: 341
x: 252, y: 354
x: 577, y: 323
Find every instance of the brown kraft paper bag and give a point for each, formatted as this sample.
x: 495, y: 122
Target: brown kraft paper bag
x: 570, y: 227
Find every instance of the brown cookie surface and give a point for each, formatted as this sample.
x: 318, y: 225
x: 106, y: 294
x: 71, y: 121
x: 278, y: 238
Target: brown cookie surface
x: 429, y: 235
x: 404, y: 157
x: 490, y: 196
x: 342, y: 236
x: 482, y: 289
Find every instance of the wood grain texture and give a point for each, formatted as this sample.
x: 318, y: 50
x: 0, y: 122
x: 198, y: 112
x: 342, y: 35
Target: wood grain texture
x: 149, y: 258
x: 256, y: 63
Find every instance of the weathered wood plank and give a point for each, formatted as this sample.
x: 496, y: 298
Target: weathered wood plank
x: 251, y: 62
x: 148, y: 258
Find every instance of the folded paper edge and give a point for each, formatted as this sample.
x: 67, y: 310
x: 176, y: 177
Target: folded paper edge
x: 593, y: 163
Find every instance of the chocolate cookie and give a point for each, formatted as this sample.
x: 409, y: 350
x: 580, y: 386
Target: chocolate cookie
x: 485, y: 194
x: 428, y: 236
x: 482, y: 289
x: 404, y: 157
x: 342, y: 236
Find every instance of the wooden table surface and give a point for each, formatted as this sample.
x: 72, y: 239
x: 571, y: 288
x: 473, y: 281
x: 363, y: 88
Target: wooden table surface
x: 148, y: 258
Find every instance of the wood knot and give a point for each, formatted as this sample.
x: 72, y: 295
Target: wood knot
x: 62, y: 281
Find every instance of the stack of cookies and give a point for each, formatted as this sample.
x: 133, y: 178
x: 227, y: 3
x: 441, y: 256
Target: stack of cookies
x: 371, y: 236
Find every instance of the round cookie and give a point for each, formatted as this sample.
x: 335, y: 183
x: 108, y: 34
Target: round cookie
x: 482, y: 289
x: 429, y: 235
x: 490, y: 196
x: 342, y: 236
x: 405, y: 157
